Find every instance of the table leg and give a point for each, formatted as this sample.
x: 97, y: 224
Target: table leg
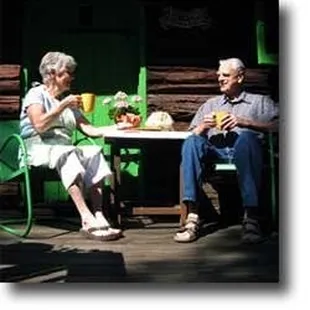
x: 115, y: 182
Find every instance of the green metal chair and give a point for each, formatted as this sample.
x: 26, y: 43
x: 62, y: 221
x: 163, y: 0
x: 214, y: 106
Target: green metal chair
x: 14, y: 170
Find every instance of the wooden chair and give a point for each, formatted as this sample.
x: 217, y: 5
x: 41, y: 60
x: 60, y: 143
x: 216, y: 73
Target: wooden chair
x: 14, y: 170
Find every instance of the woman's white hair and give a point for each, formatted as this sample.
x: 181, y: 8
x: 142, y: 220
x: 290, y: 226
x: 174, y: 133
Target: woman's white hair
x: 236, y: 63
x: 54, y: 62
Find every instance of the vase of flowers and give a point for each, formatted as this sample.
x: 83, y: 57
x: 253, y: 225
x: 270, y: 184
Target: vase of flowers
x: 124, y: 109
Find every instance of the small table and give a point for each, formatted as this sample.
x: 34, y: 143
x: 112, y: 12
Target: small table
x: 120, y: 139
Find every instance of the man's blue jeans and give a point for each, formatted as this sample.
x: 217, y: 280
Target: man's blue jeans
x: 246, y: 154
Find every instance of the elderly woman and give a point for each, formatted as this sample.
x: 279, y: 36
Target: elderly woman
x: 47, y: 121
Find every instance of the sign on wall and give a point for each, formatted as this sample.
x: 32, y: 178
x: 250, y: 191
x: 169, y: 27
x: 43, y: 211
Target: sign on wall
x: 200, y: 32
x: 173, y: 17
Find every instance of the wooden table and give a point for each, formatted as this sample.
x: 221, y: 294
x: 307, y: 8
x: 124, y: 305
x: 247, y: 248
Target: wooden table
x: 119, y: 139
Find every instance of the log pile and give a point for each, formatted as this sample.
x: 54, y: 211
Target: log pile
x: 10, y: 91
x: 181, y: 90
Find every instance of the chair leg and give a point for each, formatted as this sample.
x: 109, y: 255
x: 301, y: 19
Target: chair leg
x: 273, y: 179
x: 28, y: 221
x: 183, y: 207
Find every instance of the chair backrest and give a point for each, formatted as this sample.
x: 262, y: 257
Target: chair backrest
x: 7, y: 128
x: 9, y: 148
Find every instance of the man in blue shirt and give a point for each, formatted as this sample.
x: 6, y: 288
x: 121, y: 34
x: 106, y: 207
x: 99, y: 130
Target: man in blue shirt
x: 237, y: 138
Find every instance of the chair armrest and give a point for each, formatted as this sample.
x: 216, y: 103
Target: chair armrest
x: 85, y: 140
x: 224, y: 167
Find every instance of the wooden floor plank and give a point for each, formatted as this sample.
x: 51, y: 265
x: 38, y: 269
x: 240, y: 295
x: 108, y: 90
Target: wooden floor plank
x: 52, y: 254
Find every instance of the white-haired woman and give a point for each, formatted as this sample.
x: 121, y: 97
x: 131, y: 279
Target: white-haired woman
x: 47, y: 121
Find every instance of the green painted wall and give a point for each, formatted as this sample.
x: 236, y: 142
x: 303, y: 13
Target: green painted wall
x: 263, y: 56
x: 107, y: 41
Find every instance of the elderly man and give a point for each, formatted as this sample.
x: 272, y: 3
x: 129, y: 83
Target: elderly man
x: 238, y: 138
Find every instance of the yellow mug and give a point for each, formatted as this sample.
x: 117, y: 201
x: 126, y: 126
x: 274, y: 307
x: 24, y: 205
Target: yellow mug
x: 88, y: 102
x: 219, y: 116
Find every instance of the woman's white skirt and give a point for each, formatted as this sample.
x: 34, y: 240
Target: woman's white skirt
x: 70, y: 161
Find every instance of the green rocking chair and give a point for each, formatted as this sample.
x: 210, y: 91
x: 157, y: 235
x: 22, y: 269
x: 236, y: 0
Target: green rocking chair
x: 14, y: 168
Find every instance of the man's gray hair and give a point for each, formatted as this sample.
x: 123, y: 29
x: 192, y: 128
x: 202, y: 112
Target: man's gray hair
x: 55, y: 61
x: 236, y: 63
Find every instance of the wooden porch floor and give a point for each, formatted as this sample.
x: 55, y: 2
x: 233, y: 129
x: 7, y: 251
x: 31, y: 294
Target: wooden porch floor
x: 56, y: 252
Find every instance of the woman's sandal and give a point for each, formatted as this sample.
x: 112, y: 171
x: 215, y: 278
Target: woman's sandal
x: 104, y: 225
x: 107, y: 236
x: 115, y: 231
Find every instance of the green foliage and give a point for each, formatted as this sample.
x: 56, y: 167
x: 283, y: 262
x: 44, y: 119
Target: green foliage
x: 116, y: 112
x: 121, y: 103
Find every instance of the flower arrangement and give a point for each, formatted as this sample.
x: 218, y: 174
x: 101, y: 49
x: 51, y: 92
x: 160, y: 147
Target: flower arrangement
x: 122, y: 104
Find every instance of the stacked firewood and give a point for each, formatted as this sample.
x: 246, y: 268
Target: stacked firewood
x: 181, y: 90
x: 10, y: 94
x: 10, y: 91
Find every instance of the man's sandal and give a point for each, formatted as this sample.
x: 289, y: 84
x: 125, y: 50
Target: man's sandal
x: 190, y: 232
x: 252, y: 233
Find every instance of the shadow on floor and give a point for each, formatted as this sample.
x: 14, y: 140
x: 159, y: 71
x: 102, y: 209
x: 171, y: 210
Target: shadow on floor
x: 39, y: 262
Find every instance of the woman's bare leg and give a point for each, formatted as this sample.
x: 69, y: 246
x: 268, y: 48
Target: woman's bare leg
x: 87, y: 218
x: 96, y: 201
